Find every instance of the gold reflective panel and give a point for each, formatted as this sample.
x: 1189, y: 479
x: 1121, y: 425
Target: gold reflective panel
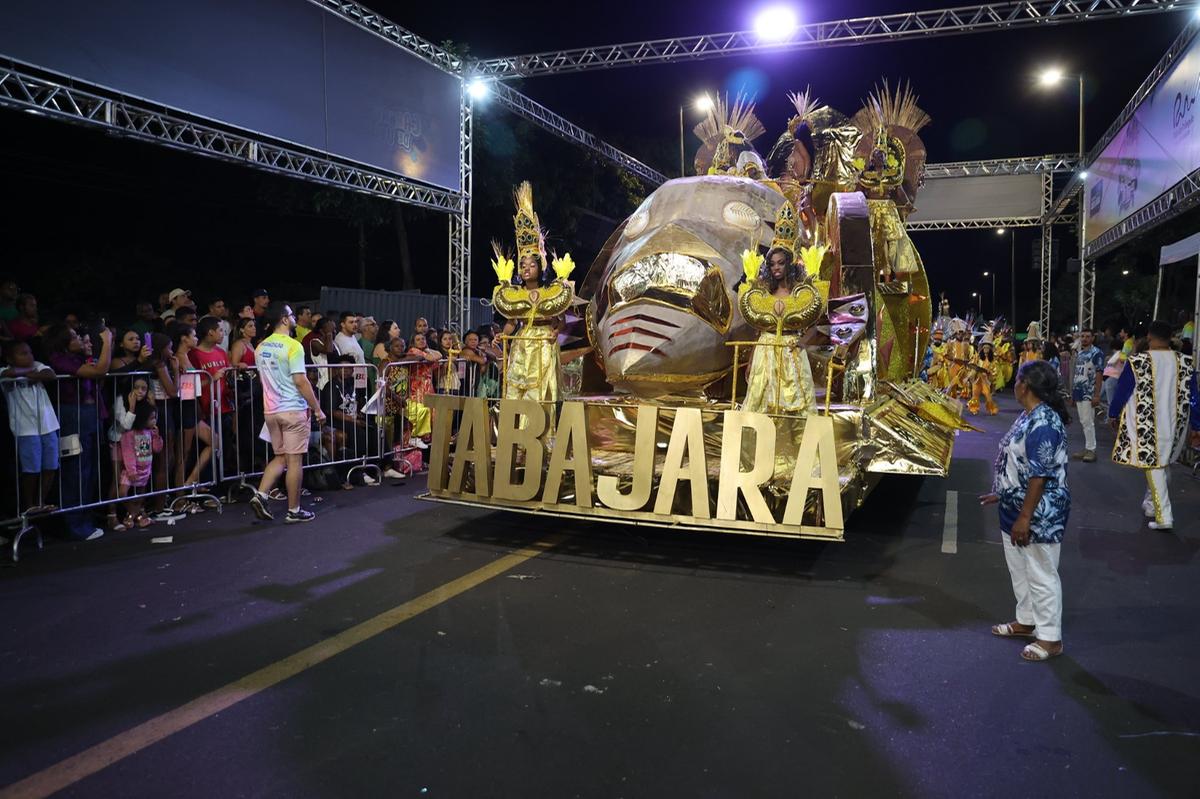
x: 817, y: 449
x: 641, y: 472
x: 511, y: 434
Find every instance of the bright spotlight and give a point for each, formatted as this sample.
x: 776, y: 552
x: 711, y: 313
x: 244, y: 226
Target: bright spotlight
x: 1000, y: 231
x: 1083, y: 175
x: 985, y: 274
x: 776, y: 23
x: 1124, y: 271
x: 974, y: 293
x: 704, y: 103
x: 1051, y: 77
x: 478, y: 89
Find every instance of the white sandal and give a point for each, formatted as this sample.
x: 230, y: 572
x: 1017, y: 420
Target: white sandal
x: 1008, y: 631
x: 1035, y: 652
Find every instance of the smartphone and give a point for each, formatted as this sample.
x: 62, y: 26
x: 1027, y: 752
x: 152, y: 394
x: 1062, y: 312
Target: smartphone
x: 146, y: 340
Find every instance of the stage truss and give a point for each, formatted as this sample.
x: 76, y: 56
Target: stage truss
x: 846, y: 32
x: 75, y: 101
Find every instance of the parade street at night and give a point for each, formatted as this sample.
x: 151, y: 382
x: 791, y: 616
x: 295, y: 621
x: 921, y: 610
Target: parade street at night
x: 397, y: 648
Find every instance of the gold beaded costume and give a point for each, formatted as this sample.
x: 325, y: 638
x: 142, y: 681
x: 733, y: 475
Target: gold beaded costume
x: 779, y: 379
x: 532, y: 368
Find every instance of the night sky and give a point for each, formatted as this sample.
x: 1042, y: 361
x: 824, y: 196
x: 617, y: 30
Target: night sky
x: 76, y: 197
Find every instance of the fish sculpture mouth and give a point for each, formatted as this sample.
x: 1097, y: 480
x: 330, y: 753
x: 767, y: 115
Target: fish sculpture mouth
x: 674, y: 280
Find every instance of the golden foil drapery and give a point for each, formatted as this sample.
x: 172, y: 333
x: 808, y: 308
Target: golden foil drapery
x: 532, y: 368
x: 779, y: 379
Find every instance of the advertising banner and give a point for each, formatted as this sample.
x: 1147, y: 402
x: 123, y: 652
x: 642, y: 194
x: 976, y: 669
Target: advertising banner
x: 1156, y: 148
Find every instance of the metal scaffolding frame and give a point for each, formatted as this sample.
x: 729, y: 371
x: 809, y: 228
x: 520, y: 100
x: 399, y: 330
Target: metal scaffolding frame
x: 1047, y: 251
x: 381, y: 26
x: 73, y: 101
x: 1003, y: 166
x: 458, y: 290
x: 846, y: 32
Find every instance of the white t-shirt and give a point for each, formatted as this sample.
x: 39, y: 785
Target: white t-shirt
x: 348, y: 345
x: 29, y: 410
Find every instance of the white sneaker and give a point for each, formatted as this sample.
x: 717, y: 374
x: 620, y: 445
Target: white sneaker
x: 1164, y: 526
x: 419, y: 444
x: 92, y: 536
x: 369, y: 480
x: 392, y: 474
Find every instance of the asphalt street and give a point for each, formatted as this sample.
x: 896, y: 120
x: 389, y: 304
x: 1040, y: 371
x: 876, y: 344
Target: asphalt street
x: 604, y: 661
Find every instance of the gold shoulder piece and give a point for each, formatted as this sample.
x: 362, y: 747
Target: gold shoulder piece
x: 544, y: 302
x: 799, y: 311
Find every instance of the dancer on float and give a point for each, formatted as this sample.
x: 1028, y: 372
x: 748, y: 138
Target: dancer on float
x: 534, y: 307
x: 780, y: 300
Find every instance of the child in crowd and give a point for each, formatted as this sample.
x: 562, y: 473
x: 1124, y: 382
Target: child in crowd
x: 138, y: 447
x: 420, y: 383
x: 125, y: 405
x: 33, y: 422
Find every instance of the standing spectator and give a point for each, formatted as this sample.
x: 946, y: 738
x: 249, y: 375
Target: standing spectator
x: 476, y: 362
x: 1085, y: 391
x: 1030, y: 487
x: 147, y: 319
x: 131, y: 352
x: 260, y: 300
x: 1112, y: 369
x: 9, y: 291
x: 164, y: 388
x: 192, y: 425
x: 420, y: 383
x: 32, y: 421
x: 1155, y: 403
x: 129, y: 394
x: 209, y: 357
x: 185, y: 316
x: 449, y: 382
x: 139, y: 444
x: 176, y: 299
x: 163, y: 303
x: 287, y: 400
x: 24, y: 325
x: 304, y: 321
x: 80, y: 411
x: 241, y: 352
x: 368, y: 331
x: 420, y: 326
x: 345, y: 343
x: 388, y: 331
x: 217, y: 310
x: 317, y: 346
x: 1050, y: 356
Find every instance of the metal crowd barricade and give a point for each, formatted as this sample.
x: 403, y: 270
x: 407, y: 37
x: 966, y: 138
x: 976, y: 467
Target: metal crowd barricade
x: 396, y: 393
x: 93, y: 415
x: 350, y: 436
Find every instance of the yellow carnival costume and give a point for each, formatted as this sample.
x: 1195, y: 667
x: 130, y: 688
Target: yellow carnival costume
x: 779, y: 379
x: 959, y: 354
x: 1004, y: 363
x: 981, y: 375
x: 939, y: 369
x: 532, y: 368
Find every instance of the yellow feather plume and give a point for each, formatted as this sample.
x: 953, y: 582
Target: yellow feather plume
x: 751, y: 264
x: 501, y: 264
x: 563, y: 266
x: 812, y: 258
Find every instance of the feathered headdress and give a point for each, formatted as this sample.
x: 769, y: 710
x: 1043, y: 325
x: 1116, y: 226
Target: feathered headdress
x: 805, y: 104
x: 887, y: 109
x: 501, y: 263
x: 1033, y: 332
x: 725, y: 121
x: 530, y: 240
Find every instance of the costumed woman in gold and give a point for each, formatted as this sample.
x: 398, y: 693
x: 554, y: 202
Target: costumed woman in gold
x: 779, y: 299
x: 1004, y: 358
x: 1033, y: 344
x: 959, y: 354
x: 939, y: 370
x: 982, y: 373
x: 533, y: 306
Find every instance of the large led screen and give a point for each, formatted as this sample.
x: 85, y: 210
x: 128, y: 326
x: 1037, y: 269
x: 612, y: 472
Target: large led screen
x: 1154, y: 150
x: 286, y: 69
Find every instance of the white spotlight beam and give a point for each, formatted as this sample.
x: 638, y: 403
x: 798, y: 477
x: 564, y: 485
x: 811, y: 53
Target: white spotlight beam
x: 839, y: 33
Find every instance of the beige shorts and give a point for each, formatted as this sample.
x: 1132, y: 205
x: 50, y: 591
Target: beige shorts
x: 289, y: 432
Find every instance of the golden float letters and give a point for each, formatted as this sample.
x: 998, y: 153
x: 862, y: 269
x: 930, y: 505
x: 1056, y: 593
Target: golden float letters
x: 733, y: 479
x: 570, y: 436
x: 687, y: 438
x: 643, y: 466
x: 742, y: 472
x: 510, y: 434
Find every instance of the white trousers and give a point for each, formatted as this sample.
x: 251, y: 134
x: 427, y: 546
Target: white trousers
x: 1034, y: 573
x: 1087, y: 419
x: 1157, y: 499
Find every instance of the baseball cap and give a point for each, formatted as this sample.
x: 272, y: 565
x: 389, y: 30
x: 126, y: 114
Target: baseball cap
x: 259, y: 293
x: 176, y: 293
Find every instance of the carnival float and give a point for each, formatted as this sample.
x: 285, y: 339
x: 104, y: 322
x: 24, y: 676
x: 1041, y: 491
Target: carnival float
x: 756, y: 334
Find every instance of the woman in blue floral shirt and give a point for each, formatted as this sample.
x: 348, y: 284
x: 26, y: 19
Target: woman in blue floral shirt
x: 1030, y: 488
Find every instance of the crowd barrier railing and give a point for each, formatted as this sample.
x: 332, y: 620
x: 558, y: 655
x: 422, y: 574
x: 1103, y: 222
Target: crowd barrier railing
x: 350, y: 436
x: 79, y: 446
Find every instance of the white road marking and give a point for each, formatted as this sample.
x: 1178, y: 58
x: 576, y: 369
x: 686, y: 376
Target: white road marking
x: 950, y: 525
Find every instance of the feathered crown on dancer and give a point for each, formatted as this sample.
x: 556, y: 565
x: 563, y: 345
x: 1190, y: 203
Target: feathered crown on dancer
x: 530, y: 238
x: 725, y: 132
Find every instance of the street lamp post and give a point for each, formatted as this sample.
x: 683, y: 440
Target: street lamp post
x: 992, y: 275
x: 975, y: 295
x: 1052, y: 77
x: 1012, y: 275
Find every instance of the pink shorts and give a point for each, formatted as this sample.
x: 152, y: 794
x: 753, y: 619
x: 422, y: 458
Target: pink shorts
x: 289, y: 432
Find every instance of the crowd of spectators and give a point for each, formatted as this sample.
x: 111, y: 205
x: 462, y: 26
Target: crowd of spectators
x: 145, y: 386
